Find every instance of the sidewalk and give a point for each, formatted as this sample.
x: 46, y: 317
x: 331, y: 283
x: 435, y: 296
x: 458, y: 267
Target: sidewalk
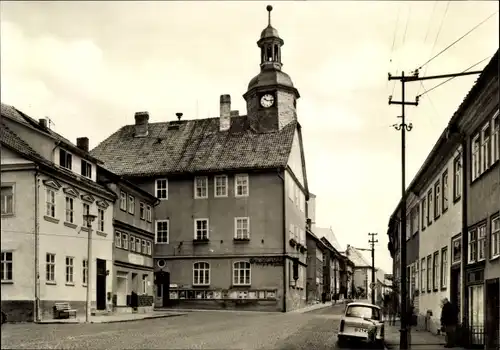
x: 419, y: 340
x: 320, y: 306
x: 122, y: 317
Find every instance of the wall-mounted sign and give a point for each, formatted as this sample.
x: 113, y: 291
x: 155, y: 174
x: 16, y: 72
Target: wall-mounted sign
x: 267, y: 260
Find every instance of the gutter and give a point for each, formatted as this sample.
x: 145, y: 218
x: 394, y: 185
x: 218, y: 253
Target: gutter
x: 284, y: 239
x: 465, y: 239
x: 37, y: 244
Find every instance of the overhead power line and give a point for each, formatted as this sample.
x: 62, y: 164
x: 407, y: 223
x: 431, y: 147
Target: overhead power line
x: 447, y: 80
x: 456, y: 41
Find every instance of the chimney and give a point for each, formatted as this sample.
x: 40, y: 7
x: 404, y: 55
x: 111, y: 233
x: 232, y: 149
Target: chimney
x: 83, y: 143
x: 234, y: 113
x: 141, y: 124
x: 43, y: 123
x: 225, y: 112
x: 179, y: 116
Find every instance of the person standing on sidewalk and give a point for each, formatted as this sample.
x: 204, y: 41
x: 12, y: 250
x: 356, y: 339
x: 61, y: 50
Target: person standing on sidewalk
x: 449, y: 320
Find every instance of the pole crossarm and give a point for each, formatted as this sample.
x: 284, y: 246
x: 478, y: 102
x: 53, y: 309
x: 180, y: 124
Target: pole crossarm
x: 415, y: 76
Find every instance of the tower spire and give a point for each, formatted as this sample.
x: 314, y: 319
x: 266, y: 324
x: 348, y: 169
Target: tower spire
x: 269, y: 8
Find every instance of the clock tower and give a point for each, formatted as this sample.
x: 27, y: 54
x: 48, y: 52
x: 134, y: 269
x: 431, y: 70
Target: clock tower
x: 271, y: 97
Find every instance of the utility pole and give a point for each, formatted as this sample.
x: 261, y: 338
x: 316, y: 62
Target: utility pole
x: 403, y: 127
x: 89, y: 218
x: 372, y: 242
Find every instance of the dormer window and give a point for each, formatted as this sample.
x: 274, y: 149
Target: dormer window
x: 86, y: 169
x: 65, y: 159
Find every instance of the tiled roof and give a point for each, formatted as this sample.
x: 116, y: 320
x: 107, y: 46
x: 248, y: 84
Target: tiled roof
x: 11, y: 140
x: 356, y: 257
x: 329, y: 235
x: 194, y: 146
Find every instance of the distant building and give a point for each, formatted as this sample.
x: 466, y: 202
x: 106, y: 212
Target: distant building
x: 316, y: 254
x: 233, y: 194
x: 48, y: 185
x: 133, y: 243
x: 362, y: 272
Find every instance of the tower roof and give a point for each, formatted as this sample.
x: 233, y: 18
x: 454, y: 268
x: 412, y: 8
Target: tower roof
x: 269, y: 31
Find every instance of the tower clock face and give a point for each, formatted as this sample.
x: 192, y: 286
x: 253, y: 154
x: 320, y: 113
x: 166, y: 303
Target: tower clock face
x: 267, y: 100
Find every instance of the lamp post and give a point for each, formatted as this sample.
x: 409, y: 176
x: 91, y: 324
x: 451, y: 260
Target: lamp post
x: 88, y: 219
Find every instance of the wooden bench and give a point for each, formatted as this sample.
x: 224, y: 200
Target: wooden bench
x: 63, y: 310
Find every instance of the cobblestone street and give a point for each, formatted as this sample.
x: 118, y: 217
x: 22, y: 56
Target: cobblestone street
x: 196, y: 330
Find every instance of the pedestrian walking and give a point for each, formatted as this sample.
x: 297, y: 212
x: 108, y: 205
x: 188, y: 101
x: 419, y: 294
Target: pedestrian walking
x: 449, y: 321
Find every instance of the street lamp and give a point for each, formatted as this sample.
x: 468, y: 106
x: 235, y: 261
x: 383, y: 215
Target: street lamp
x: 88, y: 219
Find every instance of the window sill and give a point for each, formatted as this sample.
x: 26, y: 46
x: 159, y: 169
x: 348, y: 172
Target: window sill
x: 8, y: 282
x: 8, y: 215
x: 496, y: 257
x: 201, y: 197
x: 51, y: 219
x: 69, y: 284
x: 84, y: 285
x: 133, y: 213
x: 201, y: 285
x: 221, y: 196
x: 102, y: 234
x: 443, y: 288
x: 445, y: 210
x: 241, y: 239
x: 70, y: 224
x: 86, y: 229
x: 241, y: 285
x: 124, y: 210
x: 51, y: 283
x: 201, y: 241
x: 437, y: 217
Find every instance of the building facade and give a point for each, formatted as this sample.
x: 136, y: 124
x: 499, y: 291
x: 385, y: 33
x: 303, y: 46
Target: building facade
x: 48, y: 185
x: 316, y: 255
x: 459, y: 200
x: 233, y: 190
x: 133, y: 243
x: 477, y: 121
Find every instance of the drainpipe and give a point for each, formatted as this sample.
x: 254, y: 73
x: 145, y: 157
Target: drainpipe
x: 36, y: 233
x: 285, y: 286
x: 465, y: 239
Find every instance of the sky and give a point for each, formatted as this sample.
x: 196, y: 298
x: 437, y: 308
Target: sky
x: 89, y: 66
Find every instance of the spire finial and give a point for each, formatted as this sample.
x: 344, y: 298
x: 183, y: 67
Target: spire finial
x: 269, y: 8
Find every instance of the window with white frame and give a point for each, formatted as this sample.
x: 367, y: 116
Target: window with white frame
x: 444, y: 267
x: 69, y: 209
x: 84, y: 271
x: 417, y: 275
x: 137, y: 245
x: 422, y: 275
x: 485, y: 147
x: 444, y: 203
x: 50, y: 267
x: 86, y: 169
x: 7, y: 266
x: 131, y: 204
x: 429, y: 207
x: 161, y: 189
x: 100, y: 220
x: 144, y: 284
x: 476, y: 157
x: 118, y: 239
x: 142, y: 211
x: 161, y: 233
x: 149, y: 216
x: 456, y: 250
x: 424, y: 213
x: 144, y: 247
x: 65, y: 159
x: 149, y: 252
x: 69, y: 269
x: 495, y: 138
x: 201, y: 273
x: 472, y: 246
x: 435, y: 271
x: 50, y: 203
x: 241, y: 273
x: 123, y: 201
x: 429, y: 273
x: 201, y: 187
x: 241, y: 185
x: 437, y: 199
x: 457, y: 178
x: 124, y: 241
x: 242, y: 228
x: 7, y: 200
x: 220, y: 186
x: 201, y: 229
x: 132, y: 243
x: 481, y: 242
x: 495, y: 237
x: 86, y: 211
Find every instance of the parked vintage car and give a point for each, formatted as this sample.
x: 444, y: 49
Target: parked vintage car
x: 361, y: 322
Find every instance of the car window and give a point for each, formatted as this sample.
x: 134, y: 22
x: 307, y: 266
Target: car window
x: 363, y: 311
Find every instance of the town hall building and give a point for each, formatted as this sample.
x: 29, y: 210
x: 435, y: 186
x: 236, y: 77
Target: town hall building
x: 230, y: 226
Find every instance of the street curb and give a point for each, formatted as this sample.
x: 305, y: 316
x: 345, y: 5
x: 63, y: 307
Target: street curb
x: 111, y: 321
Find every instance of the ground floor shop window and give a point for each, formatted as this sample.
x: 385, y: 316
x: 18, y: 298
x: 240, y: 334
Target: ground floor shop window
x: 476, y: 314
